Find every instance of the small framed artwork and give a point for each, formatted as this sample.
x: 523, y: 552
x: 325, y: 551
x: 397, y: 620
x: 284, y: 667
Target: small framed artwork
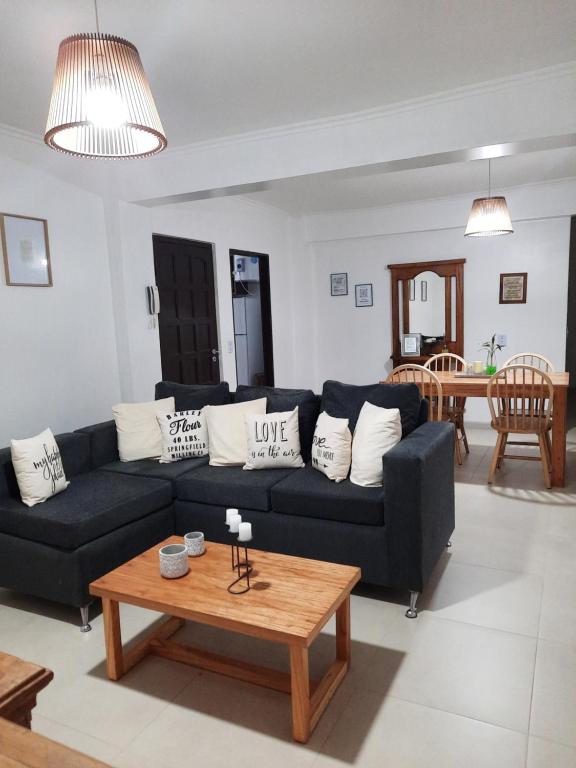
x: 339, y: 284
x: 25, y: 250
x: 363, y: 295
x: 513, y: 286
x: 411, y: 344
x: 411, y: 290
x: 423, y: 290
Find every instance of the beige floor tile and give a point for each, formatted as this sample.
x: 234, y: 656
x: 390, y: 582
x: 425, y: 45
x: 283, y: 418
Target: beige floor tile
x: 225, y: 720
x: 558, y: 615
x: 116, y: 711
x: 96, y: 748
x: 547, y: 754
x: 468, y: 670
x: 391, y: 733
x: 486, y: 597
x: 554, y: 696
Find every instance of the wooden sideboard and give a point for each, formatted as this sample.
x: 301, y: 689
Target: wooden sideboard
x: 20, y: 682
x: 22, y: 748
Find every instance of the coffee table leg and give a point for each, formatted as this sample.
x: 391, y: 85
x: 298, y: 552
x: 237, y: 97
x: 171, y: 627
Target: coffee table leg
x: 300, y: 680
x: 113, y: 639
x: 343, y: 631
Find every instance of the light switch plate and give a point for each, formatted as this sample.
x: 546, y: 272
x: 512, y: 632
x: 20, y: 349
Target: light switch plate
x: 230, y: 347
x: 501, y: 339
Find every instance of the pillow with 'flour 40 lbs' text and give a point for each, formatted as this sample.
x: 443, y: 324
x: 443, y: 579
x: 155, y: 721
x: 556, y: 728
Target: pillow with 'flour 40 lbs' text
x: 38, y: 467
x: 184, y: 435
x: 332, y: 447
x: 273, y: 441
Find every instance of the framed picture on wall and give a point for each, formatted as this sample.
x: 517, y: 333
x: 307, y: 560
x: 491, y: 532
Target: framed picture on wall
x: 339, y: 284
x: 25, y: 250
x: 363, y: 294
x: 513, y: 286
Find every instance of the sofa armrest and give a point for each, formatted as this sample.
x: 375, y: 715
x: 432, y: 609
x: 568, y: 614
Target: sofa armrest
x: 419, y: 501
x: 103, y: 443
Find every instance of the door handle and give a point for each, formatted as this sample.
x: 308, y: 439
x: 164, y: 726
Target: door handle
x: 215, y: 353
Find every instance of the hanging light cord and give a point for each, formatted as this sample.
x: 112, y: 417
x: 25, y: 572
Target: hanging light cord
x: 97, y: 19
x: 489, y: 180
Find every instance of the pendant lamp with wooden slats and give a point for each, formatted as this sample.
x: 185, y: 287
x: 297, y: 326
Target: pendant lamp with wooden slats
x: 102, y: 105
x: 489, y: 216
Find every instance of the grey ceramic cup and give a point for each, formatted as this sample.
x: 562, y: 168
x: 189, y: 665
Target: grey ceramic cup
x: 173, y: 561
x: 194, y: 542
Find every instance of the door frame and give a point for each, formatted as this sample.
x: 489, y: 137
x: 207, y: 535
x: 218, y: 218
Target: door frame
x: 265, y: 309
x: 216, y: 301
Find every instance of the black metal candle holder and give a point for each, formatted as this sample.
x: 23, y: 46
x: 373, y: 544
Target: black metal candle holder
x: 242, y: 567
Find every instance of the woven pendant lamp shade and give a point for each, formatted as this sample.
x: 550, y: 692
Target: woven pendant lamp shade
x: 101, y: 103
x: 489, y: 216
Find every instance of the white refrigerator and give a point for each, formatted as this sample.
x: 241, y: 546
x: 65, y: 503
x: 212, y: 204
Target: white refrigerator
x: 248, y: 337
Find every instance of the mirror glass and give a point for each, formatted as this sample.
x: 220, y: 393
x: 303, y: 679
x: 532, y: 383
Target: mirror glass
x: 426, y: 305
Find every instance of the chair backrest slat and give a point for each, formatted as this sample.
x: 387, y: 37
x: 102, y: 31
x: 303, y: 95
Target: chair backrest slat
x: 534, y: 359
x: 446, y: 361
x: 428, y: 383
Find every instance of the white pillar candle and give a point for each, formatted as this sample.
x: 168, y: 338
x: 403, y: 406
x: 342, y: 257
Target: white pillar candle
x: 230, y: 513
x: 234, y: 523
x: 245, y: 532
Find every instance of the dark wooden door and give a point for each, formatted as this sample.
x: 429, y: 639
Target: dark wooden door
x: 187, y: 319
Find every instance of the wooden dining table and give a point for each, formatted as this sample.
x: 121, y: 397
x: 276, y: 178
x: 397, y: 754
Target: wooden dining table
x: 477, y: 386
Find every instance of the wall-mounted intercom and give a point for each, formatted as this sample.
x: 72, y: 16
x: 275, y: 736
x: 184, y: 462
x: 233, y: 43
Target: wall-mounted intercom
x: 153, y: 301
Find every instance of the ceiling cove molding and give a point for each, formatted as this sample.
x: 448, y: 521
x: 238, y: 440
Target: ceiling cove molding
x: 567, y: 69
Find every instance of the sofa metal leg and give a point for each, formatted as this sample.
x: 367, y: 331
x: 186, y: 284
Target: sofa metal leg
x: 85, y: 627
x: 412, y: 613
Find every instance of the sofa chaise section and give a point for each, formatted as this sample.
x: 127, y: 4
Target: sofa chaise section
x: 55, y: 549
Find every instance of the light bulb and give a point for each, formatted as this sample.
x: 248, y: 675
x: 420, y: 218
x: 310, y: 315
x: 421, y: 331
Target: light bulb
x: 104, y: 106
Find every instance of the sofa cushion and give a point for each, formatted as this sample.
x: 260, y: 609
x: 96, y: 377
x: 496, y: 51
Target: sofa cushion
x: 231, y: 486
x: 279, y: 400
x: 151, y: 468
x: 191, y: 397
x: 344, y: 401
x: 309, y: 493
x: 75, y: 454
x: 94, y: 504
x: 103, y: 442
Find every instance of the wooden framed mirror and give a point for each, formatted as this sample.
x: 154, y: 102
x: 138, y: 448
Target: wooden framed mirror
x: 427, y: 309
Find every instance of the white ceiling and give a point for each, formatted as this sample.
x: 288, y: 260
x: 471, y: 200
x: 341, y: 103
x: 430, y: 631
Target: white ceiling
x: 221, y: 67
x: 327, y: 192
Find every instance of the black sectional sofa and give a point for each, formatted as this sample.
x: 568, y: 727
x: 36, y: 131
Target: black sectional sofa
x: 114, y: 510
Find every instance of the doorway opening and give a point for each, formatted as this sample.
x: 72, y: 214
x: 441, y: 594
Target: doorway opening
x: 571, y: 326
x: 187, y: 320
x: 250, y: 275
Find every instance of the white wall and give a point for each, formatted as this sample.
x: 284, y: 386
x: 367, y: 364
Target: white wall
x: 354, y: 344
x: 58, y: 365
x: 226, y: 223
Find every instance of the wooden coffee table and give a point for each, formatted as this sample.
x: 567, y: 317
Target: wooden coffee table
x: 290, y: 601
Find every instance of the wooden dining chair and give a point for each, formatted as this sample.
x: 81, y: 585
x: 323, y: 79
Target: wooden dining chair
x: 452, y: 407
x: 531, y: 358
x: 520, y: 398
x: 428, y: 383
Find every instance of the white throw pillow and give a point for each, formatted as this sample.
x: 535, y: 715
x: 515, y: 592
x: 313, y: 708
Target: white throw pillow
x: 332, y: 447
x: 273, y: 440
x: 139, y: 435
x: 38, y: 467
x: 184, y: 435
x: 377, y: 431
x: 227, y: 431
